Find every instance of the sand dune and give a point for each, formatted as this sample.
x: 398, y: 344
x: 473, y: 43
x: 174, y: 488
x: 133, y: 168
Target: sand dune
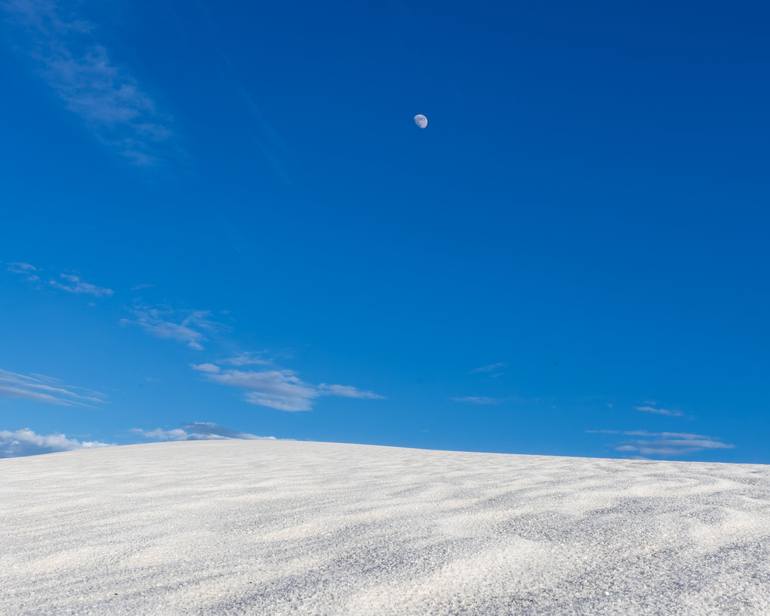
x: 281, y: 527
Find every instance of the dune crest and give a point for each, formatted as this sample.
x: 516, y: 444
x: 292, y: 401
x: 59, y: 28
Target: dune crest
x: 284, y: 527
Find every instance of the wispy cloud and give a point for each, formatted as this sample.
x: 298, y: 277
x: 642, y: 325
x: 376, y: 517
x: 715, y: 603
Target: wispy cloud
x: 646, y: 443
x: 190, y: 328
x: 278, y: 389
x: 492, y: 370
x: 197, y: 431
x: 653, y: 409
x: 246, y: 359
x: 477, y: 400
x: 142, y: 286
x: 347, y: 391
x: 25, y: 442
x: 78, y: 68
x: 46, y: 389
x: 206, y: 367
x: 74, y: 284
x: 25, y: 270
x: 70, y: 283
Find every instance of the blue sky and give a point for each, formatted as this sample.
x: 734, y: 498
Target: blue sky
x: 219, y: 219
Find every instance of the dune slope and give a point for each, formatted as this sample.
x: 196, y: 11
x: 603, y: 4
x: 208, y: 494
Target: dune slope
x: 282, y: 527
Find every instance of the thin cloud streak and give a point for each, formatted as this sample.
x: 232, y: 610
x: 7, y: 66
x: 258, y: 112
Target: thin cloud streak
x: 653, y: 409
x: 347, y: 391
x: 78, y: 68
x: 74, y: 284
x: 246, y: 359
x: 46, y: 389
x: 664, y: 443
x: 492, y: 370
x: 477, y: 400
x: 206, y: 367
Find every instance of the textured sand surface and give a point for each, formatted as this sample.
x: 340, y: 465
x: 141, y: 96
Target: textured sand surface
x: 281, y: 527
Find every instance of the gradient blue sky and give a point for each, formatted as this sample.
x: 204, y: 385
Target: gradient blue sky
x: 223, y: 212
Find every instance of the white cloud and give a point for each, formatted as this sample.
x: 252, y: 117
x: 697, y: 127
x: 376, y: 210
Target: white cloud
x: 478, y: 400
x: 45, y: 389
x: 159, y: 434
x: 492, y: 370
x: 206, y: 367
x: 279, y: 389
x: 190, y: 329
x: 654, y: 409
x: 25, y: 270
x: 664, y: 443
x: 73, y: 284
x: 25, y: 442
x: 197, y: 431
x: 246, y: 359
x: 78, y: 68
x: 347, y: 391
x: 142, y: 286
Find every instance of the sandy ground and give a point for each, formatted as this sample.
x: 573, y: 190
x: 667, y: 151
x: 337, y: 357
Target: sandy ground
x: 282, y: 527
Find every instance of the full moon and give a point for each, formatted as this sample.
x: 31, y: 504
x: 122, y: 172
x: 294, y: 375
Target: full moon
x: 421, y: 120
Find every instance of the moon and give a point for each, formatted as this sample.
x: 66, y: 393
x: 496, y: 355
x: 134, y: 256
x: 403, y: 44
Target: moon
x: 421, y: 121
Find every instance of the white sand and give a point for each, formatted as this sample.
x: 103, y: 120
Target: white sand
x: 281, y: 527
